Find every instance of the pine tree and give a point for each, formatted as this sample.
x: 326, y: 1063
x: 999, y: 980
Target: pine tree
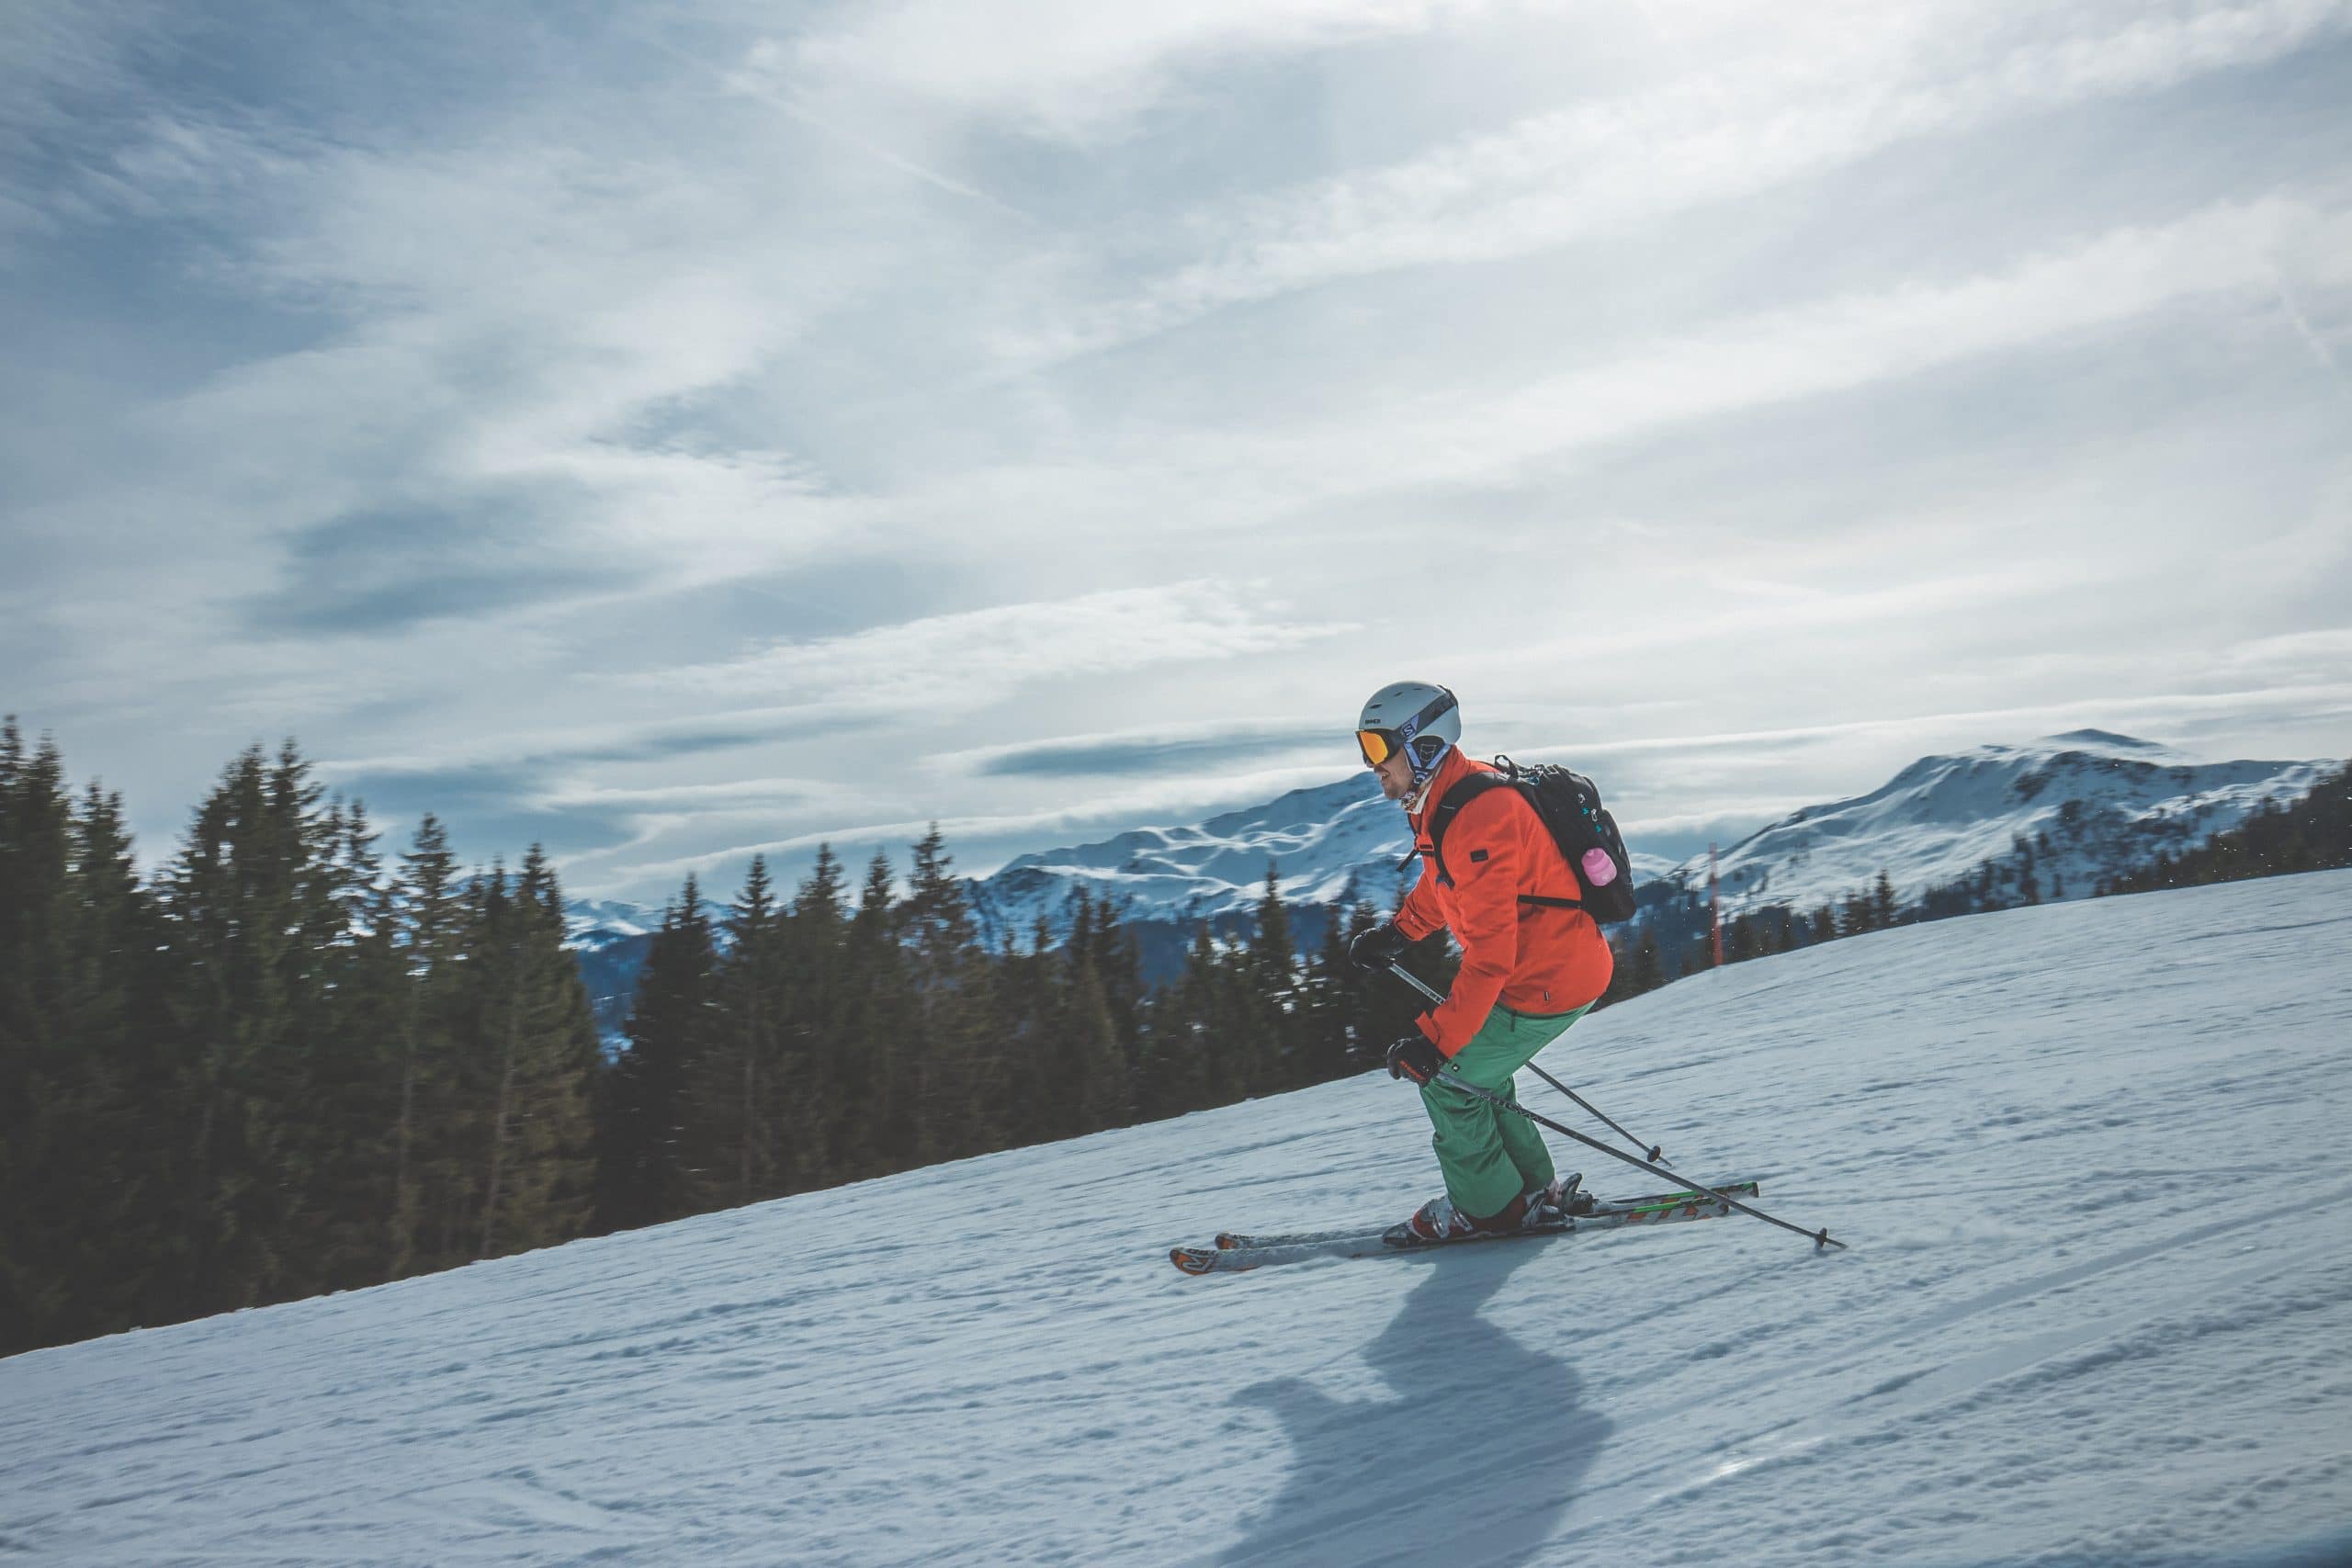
x: 111, y: 1012
x: 1336, y: 993
x: 957, y: 1069
x: 1048, y: 1041
x: 237, y: 903
x: 1105, y: 1090
x: 1119, y: 965
x: 428, y: 1159
x: 738, y: 1088
x: 1741, y: 939
x: 1199, y: 1056
x: 876, y: 1132
x: 813, y: 938
x: 533, y: 1017
x: 1854, y: 914
x: 1039, y: 1076
x: 1649, y: 963
x: 75, y: 943
x: 1269, y: 985
x: 35, y: 853
x: 643, y: 1158
x: 349, y: 1124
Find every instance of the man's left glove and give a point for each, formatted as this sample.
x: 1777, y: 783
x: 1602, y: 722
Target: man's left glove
x: 1374, y: 949
x: 1416, y: 1057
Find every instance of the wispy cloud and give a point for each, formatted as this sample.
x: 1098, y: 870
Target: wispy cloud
x: 1852, y: 82
x: 1160, y: 748
x: 1102, y: 67
x: 2159, y: 711
x: 65, y: 70
x: 959, y: 661
x: 1835, y: 346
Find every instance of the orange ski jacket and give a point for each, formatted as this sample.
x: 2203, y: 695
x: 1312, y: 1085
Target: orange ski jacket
x: 1531, y: 958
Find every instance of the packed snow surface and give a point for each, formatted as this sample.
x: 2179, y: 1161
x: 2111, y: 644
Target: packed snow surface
x: 2098, y: 1310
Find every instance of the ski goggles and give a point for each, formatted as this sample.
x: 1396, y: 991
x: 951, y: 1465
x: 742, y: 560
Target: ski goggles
x: 1379, y: 745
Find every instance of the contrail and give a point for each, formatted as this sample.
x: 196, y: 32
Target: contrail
x: 905, y: 165
x: 2320, y: 346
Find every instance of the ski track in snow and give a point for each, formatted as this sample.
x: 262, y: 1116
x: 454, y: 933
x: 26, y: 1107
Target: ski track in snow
x: 2096, y: 1311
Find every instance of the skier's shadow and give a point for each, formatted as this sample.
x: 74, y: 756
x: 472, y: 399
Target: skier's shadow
x: 1471, y: 1462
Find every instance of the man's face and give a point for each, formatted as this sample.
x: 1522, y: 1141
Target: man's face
x: 1395, y: 777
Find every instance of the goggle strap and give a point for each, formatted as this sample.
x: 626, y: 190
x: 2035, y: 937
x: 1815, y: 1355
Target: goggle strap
x: 1392, y: 741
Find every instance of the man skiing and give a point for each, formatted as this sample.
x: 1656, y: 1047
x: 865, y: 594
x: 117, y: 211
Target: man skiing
x: 1532, y: 963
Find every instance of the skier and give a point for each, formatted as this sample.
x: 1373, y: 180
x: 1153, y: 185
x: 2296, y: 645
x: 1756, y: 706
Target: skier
x: 1529, y: 969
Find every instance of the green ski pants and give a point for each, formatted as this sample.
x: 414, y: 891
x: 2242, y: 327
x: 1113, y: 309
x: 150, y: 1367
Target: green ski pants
x: 1489, y: 1155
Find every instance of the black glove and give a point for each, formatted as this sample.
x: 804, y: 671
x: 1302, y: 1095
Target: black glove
x: 1416, y: 1057
x: 1378, y: 948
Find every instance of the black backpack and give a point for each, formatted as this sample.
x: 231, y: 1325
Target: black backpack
x: 1569, y: 803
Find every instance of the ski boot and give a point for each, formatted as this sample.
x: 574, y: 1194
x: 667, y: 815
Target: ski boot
x: 1563, y: 1200
x: 1437, y: 1220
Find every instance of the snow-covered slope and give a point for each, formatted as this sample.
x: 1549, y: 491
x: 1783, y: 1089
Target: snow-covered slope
x: 2089, y: 1157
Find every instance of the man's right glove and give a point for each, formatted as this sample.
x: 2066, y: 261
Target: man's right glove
x: 1378, y: 948
x: 1415, y: 1057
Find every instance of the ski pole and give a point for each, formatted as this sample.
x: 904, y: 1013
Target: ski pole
x: 1657, y: 1151
x: 1819, y: 1238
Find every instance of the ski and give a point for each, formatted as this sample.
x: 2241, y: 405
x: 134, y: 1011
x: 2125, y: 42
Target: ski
x: 1230, y: 1240
x: 1236, y: 1253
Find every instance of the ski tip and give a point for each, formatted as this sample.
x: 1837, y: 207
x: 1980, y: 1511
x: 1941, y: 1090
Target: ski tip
x: 1193, y: 1259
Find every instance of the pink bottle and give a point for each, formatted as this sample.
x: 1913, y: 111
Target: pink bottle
x: 1599, y: 869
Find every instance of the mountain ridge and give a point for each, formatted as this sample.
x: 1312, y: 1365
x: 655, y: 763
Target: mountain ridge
x: 1937, y: 819
x: 2087, y: 805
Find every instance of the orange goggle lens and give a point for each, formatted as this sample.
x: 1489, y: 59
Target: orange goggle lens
x: 1379, y: 745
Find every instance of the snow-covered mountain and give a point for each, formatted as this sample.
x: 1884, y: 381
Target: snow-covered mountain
x: 2095, y: 1313
x: 609, y: 940
x: 2107, y: 803
x: 1332, y: 843
x: 2088, y: 804
x: 601, y: 923
x: 2091, y: 804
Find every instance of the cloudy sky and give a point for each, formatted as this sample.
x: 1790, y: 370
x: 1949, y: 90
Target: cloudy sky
x: 672, y: 431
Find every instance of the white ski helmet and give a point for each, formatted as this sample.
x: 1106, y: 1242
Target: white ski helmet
x: 1412, y: 716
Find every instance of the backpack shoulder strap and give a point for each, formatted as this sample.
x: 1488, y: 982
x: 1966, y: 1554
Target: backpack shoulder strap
x: 1442, y: 814
x: 1441, y: 817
